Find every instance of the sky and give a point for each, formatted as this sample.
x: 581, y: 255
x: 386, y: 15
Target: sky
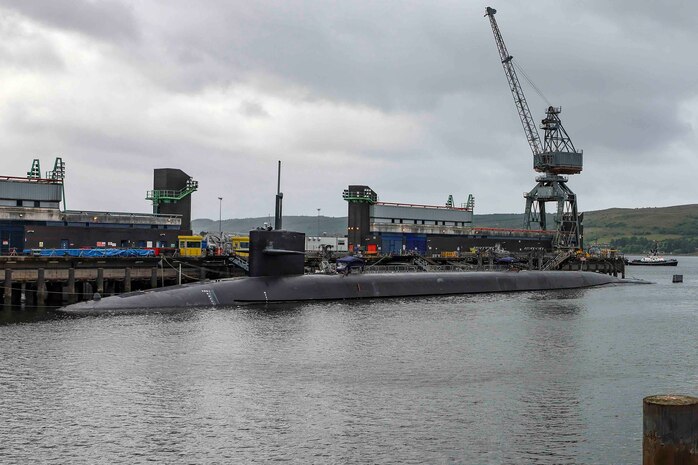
x: 408, y: 97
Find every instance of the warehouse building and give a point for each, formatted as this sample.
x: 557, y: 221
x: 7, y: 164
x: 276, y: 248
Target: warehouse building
x: 31, y: 216
x: 388, y: 228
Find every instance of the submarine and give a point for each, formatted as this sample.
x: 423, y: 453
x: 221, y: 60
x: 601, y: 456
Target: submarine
x: 277, y: 274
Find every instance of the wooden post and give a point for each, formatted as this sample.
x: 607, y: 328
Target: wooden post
x: 127, y: 279
x: 41, y: 288
x: 670, y: 430
x: 70, y: 288
x: 23, y: 293
x: 153, y: 277
x: 100, y: 281
x: 109, y: 287
x: 87, y: 290
x: 8, y: 287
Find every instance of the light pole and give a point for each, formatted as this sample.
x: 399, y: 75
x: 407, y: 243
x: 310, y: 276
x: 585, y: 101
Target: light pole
x: 220, y: 219
x: 318, y: 222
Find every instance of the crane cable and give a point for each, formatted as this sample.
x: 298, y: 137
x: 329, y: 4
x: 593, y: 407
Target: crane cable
x: 530, y: 82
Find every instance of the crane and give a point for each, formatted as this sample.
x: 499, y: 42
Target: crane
x: 553, y: 157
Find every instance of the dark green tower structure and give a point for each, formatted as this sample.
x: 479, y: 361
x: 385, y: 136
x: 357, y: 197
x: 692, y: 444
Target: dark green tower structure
x: 171, y: 194
x: 360, y: 199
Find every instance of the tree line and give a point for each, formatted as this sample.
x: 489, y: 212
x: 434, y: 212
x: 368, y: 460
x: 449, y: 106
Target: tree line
x: 642, y: 245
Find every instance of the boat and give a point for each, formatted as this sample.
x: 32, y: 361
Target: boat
x: 653, y: 259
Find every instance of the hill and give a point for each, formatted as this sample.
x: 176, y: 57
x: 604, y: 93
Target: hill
x: 306, y: 224
x: 632, y: 230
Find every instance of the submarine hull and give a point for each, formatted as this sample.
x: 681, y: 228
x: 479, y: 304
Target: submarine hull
x: 269, y: 289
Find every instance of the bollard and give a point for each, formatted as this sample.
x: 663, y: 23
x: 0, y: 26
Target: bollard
x: 670, y: 430
x: 677, y: 278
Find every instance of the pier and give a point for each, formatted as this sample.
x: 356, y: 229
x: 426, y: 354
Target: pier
x: 56, y: 281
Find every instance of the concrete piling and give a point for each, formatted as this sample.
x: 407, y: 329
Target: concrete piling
x: 670, y: 430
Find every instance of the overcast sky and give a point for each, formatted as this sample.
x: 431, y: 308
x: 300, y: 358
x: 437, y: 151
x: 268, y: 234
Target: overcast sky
x: 407, y: 97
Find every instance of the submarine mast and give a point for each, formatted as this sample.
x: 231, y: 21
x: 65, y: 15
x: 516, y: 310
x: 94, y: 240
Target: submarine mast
x: 554, y: 157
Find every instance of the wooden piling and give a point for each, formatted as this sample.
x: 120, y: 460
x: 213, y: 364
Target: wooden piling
x: 670, y: 430
x: 70, y: 287
x: 100, y: 280
x: 109, y: 287
x: 41, y: 287
x: 127, y: 279
x: 23, y: 293
x: 153, y: 277
x: 8, y: 287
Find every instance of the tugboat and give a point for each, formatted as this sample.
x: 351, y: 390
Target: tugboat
x: 654, y: 259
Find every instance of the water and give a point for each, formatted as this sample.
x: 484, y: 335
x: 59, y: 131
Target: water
x: 544, y: 377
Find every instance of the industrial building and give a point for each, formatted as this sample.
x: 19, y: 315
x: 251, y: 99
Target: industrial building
x: 388, y: 228
x: 31, y: 216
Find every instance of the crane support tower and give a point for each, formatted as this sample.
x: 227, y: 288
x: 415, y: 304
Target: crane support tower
x: 554, y: 157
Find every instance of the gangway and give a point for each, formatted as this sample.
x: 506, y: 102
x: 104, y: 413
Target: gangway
x: 240, y: 262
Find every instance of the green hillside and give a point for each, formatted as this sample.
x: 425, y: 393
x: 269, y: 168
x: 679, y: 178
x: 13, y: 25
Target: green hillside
x: 632, y: 230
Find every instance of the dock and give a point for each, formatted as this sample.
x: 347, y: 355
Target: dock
x: 56, y: 281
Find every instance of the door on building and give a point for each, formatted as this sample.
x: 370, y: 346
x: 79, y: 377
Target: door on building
x: 391, y: 244
x: 416, y: 243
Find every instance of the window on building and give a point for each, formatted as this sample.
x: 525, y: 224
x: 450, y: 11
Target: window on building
x: 19, y: 203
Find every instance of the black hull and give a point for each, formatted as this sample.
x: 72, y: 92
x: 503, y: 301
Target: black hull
x: 270, y: 289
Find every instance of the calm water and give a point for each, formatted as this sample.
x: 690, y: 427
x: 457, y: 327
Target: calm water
x: 550, y: 378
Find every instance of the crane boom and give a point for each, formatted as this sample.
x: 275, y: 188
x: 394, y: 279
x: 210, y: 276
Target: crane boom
x: 516, y: 91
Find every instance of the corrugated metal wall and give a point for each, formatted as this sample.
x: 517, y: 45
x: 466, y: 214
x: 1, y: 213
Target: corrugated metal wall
x: 30, y: 191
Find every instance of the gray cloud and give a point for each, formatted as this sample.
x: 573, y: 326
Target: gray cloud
x: 107, y: 19
x: 408, y: 97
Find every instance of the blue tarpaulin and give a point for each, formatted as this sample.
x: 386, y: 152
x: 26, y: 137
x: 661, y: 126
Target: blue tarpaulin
x: 90, y: 252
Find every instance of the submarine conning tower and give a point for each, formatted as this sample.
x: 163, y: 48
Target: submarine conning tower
x: 276, y: 253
